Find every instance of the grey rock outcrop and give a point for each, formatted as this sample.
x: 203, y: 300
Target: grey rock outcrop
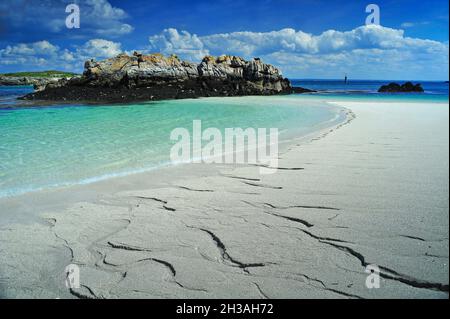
x: 155, y: 77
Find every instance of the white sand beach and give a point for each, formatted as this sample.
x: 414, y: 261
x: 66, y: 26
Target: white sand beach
x: 371, y: 191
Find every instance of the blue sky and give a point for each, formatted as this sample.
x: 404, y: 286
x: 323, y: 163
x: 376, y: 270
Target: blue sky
x: 305, y: 38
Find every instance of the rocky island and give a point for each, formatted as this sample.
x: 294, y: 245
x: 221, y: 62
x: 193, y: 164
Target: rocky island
x: 155, y: 77
x: 404, y: 88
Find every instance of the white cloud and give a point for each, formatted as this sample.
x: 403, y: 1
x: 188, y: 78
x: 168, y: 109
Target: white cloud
x: 102, y: 8
x: 98, y: 17
x: 99, y: 48
x: 35, y: 53
x: 170, y: 41
x: 373, y: 51
x: 44, y: 55
x: 36, y: 48
x: 115, y: 31
x: 105, y: 18
x: 289, y: 40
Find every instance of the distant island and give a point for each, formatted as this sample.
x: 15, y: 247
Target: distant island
x: 38, y: 79
x: 407, y: 87
x: 39, y: 74
x: 157, y: 77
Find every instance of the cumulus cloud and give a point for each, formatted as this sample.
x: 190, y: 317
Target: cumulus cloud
x: 36, y: 53
x: 98, y: 18
x: 44, y: 55
x: 99, y: 48
x: 369, y: 50
x: 170, y: 41
x: 36, y: 48
x: 290, y: 40
x: 105, y: 19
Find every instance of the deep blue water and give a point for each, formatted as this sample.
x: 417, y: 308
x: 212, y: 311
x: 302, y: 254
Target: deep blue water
x: 336, y: 89
x: 367, y: 89
x: 9, y: 94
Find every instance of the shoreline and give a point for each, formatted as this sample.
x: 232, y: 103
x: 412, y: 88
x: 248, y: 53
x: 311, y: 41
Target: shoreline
x: 284, y: 142
x: 312, y: 94
x: 228, y: 201
x: 98, y: 183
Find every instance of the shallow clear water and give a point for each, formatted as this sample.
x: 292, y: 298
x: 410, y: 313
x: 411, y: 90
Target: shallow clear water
x: 43, y: 147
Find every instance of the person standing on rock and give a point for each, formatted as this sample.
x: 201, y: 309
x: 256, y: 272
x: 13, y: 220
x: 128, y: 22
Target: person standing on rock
x: 140, y: 58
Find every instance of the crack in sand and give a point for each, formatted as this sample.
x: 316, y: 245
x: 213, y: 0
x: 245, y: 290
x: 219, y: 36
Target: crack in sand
x: 127, y: 247
x: 278, y: 168
x: 242, y: 178
x: 80, y: 295
x: 262, y: 185
x: 52, y: 222
x: 391, y: 274
x: 223, y: 251
x: 292, y: 219
x: 152, y: 198
x: 170, y: 209
x: 322, y: 239
x: 173, y: 272
x: 412, y: 237
x: 261, y: 292
x: 195, y: 190
x: 300, y: 206
x: 167, y: 264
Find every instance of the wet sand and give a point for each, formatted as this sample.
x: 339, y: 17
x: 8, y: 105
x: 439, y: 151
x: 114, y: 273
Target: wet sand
x: 370, y: 191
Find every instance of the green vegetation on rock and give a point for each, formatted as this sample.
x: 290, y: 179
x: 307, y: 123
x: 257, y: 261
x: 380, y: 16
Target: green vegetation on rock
x: 40, y: 74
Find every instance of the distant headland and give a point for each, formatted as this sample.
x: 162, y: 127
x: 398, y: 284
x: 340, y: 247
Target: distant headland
x: 38, y: 79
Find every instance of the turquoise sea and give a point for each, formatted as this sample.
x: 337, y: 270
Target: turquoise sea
x: 43, y: 147
x: 49, y: 146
